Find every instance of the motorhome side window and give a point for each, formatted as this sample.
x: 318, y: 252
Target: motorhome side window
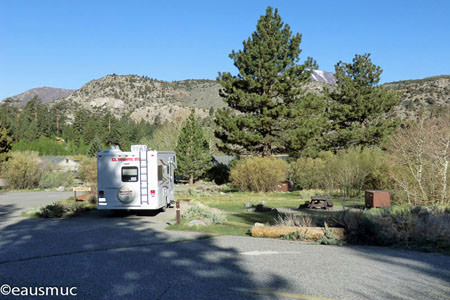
x: 160, y: 173
x: 129, y: 174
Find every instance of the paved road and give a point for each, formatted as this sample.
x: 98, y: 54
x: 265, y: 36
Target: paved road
x: 132, y: 257
x: 12, y: 204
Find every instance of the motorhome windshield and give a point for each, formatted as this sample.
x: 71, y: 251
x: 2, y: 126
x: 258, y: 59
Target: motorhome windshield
x: 129, y: 174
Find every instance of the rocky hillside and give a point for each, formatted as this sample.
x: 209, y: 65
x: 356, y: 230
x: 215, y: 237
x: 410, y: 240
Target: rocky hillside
x: 431, y: 93
x: 146, y: 98
x: 46, y: 94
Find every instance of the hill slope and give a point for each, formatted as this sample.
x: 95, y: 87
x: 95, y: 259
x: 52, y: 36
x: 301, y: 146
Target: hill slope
x: 146, y: 98
x: 46, y: 94
x: 431, y: 93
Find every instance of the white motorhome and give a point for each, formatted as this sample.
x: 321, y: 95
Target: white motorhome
x: 139, y: 179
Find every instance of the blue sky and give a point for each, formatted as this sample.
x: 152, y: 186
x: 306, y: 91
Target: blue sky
x: 67, y: 43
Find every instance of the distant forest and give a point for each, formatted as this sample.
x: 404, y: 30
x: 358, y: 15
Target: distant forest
x: 45, y: 129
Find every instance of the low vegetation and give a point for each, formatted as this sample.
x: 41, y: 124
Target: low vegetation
x: 23, y: 170
x: 417, y: 227
x: 63, y: 209
x: 204, y: 213
x: 258, y: 174
x: 88, y: 171
x: 51, y: 179
x: 26, y: 170
x: 350, y: 171
x: 419, y: 156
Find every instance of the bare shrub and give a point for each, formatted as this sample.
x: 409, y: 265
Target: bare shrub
x: 420, y: 153
x: 23, y: 170
x: 258, y: 174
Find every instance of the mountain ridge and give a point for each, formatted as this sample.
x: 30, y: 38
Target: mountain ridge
x: 142, y: 97
x: 46, y: 94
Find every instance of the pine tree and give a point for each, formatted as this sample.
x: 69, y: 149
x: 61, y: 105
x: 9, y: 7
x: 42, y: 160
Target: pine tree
x: 78, y: 124
x: 193, y: 154
x: 95, y: 147
x: 5, y: 144
x: 265, y: 90
x: 359, y: 110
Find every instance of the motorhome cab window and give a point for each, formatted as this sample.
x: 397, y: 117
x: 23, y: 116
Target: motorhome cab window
x: 129, y: 174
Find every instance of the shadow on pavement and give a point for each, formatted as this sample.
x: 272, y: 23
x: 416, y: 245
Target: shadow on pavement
x: 121, y: 258
x: 6, y: 209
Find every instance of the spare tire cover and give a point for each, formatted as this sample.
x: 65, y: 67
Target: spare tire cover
x: 126, y: 194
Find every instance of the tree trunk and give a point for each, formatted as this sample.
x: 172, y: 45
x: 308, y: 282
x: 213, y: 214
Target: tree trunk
x: 191, y: 178
x: 267, y: 150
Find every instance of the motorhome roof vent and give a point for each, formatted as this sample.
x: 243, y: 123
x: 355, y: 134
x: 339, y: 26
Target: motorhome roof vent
x: 138, y: 148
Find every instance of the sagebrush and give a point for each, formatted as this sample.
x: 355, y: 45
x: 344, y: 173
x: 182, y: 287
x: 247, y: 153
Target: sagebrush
x: 51, y: 179
x: 415, y: 227
x: 207, y: 214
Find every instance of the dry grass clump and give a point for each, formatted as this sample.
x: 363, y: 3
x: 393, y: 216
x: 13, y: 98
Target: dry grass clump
x: 292, y: 220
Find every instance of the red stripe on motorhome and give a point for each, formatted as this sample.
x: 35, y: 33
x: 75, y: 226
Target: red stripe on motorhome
x: 125, y: 159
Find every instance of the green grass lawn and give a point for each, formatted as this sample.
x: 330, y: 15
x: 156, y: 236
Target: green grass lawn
x: 232, y: 204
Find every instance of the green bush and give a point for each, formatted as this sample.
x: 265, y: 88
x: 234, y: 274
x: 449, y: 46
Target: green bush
x: 259, y: 174
x: 64, y: 208
x: 350, y: 171
x: 88, y: 170
x: 55, y: 210
x: 23, y: 170
x: 52, y: 179
x: 43, y: 145
x: 307, y: 172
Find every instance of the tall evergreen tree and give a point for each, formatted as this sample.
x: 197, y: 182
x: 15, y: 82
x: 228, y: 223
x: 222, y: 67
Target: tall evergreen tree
x: 5, y: 144
x: 79, y: 122
x: 95, y: 147
x: 360, y: 111
x: 193, y: 154
x: 262, y: 95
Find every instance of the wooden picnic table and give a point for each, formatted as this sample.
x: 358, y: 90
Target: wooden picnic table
x: 320, y: 201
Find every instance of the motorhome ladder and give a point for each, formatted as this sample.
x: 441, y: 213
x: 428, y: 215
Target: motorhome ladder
x: 143, y: 169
